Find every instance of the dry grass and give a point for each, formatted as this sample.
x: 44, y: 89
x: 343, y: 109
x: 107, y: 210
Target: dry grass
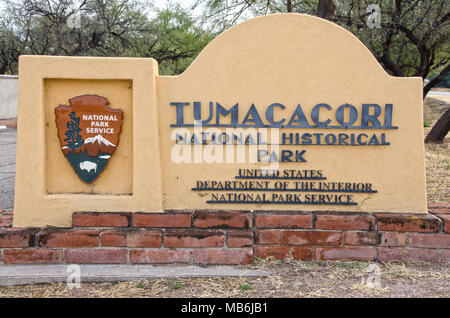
x: 437, y: 156
x: 441, y: 89
x: 288, y: 278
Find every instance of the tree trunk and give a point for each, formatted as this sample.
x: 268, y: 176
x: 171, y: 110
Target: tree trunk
x: 289, y: 5
x: 326, y: 9
x: 436, y: 80
x: 440, y: 129
x: 442, y: 126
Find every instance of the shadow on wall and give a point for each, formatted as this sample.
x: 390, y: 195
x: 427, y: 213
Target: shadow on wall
x: 9, y: 90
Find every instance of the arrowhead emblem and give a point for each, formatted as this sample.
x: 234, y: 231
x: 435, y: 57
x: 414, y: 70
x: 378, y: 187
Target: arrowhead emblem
x: 88, y: 132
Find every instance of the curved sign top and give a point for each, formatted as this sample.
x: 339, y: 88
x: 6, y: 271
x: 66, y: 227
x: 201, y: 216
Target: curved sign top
x: 284, y: 112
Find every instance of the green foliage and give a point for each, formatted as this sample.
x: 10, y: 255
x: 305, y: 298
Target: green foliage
x: 175, y: 41
x: 413, y: 38
x: 140, y: 285
x: 445, y: 83
x: 177, y: 285
x: 245, y: 287
x: 426, y: 124
x: 107, y: 28
x: 223, y: 14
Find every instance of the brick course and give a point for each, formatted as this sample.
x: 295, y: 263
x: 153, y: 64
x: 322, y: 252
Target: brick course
x: 408, y: 223
x: 101, y: 219
x: 159, y: 256
x: 162, y: 220
x: 230, y: 237
x: 314, y: 238
x: 345, y: 222
x: 347, y: 253
x: 222, y: 220
x: 96, y: 256
x: 290, y: 220
x: 67, y: 238
x: 131, y: 238
x: 17, y: 237
x: 194, y: 238
x: 32, y: 256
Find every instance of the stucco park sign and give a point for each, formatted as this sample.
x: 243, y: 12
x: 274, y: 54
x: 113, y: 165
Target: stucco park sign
x: 284, y: 112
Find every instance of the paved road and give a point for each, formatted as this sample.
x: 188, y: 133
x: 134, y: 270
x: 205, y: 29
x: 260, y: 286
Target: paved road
x: 442, y: 96
x: 439, y: 93
x: 7, y: 167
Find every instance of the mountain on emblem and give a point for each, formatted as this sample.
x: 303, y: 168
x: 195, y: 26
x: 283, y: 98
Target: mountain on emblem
x: 88, y: 132
x: 98, y: 139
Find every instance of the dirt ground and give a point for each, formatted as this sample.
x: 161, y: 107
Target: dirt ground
x: 288, y: 279
x: 440, y: 89
x: 296, y: 278
x: 437, y: 156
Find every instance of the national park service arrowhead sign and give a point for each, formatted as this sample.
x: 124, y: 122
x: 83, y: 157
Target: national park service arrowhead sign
x: 88, y: 131
x: 284, y: 112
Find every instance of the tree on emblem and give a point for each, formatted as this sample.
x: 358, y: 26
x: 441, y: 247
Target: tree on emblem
x: 73, y: 140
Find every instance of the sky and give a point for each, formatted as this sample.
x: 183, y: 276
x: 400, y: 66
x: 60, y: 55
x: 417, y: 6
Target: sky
x: 184, y: 3
x: 158, y: 4
x: 161, y: 4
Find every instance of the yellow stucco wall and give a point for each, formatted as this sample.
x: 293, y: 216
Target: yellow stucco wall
x: 290, y: 59
x: 37, y: 201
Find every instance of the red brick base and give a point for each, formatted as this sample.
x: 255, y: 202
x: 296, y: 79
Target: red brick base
x: 10, y: 123
x: 230, y: 237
